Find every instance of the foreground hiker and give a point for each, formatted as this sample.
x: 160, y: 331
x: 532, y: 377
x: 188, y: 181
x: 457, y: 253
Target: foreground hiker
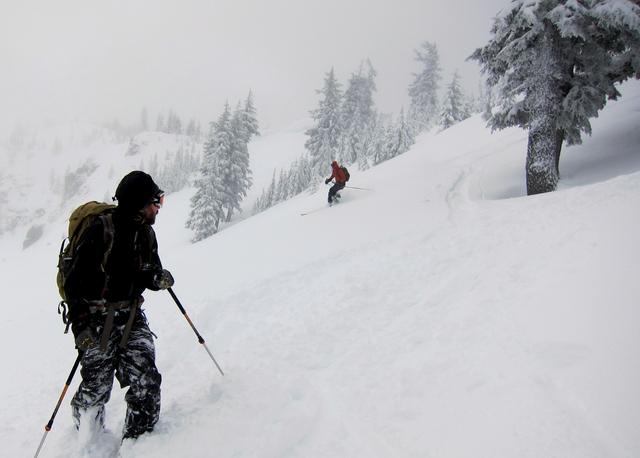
x: 340, y: 176
x: 116, y: 259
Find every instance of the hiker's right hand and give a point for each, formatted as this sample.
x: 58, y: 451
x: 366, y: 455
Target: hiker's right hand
x: 327, y: 181
x: 86, y: 339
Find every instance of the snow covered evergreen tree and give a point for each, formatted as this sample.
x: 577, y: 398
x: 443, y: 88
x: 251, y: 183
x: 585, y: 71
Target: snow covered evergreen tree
x: 144, y: 120
x: 233, y: 161
x: 357, y: 115
x: 324, y: 137
x: 423, y: 91
x: 160, y: 125
x: 258, y: 205
x: 249, y: 119
x: 174, y: 123
x: 282, y: 188
x: 377, y: 145
x: 154, y: 167
x: 454, y: 106
x: 207, y: 204
x: 484, y: 100
x: 290, y: 183
x: 554, y: 64
x: 175, y: 175
x: 301, y: 175
x: 270, y: 194
x: 206, y: 209
x: 400, y: 137
x: 133, y: 148
x: 191, y: 128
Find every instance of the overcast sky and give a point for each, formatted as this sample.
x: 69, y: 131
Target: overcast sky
x: 96, y: 60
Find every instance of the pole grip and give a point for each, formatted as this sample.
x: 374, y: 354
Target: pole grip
x: 177, y: 301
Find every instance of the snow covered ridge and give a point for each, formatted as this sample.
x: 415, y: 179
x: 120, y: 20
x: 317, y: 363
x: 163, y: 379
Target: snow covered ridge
x: 88, y: 161
x: 441, y: 314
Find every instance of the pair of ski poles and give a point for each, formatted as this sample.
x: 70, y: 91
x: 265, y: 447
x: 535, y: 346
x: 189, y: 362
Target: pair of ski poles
x: 355, y: 187
x: 362, y: 189
x: 49, y: 425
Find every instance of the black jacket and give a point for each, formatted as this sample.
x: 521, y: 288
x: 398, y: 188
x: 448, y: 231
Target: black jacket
x: 129, y: 270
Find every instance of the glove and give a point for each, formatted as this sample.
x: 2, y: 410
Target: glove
x: 86, y: 339
x: 327, y: 181
x: 163, y: 279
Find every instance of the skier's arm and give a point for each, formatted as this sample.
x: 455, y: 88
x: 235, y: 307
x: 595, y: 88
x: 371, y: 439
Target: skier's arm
x: 333, y: 175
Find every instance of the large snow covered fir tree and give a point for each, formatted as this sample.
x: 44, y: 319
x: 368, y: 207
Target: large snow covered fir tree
x: 423, y: 90
x: 225, y: 174
x: 206, y: 203
x: 324, y: 137
x: 553, y: 65
x: 234, y: 164
x: 358, y: 115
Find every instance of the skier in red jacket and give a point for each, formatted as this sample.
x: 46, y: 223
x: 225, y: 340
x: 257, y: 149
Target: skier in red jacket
x: 340, y: 180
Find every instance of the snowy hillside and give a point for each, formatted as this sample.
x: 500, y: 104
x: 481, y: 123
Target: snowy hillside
x: 439, y: 314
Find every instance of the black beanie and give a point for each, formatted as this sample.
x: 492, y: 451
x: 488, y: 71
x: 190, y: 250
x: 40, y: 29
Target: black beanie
x: 136, y: 190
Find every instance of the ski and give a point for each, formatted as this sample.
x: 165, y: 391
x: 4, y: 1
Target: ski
x: 312, y: 211
x: 336, y: 201
x: 316, y: 209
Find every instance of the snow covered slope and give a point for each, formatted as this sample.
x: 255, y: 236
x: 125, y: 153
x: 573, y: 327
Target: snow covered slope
x: 440, y: 314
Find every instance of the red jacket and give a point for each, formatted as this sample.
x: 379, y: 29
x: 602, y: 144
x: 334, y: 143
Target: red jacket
x: 337, y: 173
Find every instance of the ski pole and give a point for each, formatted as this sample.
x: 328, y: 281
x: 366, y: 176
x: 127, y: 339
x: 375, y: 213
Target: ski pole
x: 48, y: 426
x: 353, y: 187
x: 200, y: 339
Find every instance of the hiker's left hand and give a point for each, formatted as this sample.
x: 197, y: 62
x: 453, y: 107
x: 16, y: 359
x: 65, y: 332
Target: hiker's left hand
x: 163, y: 279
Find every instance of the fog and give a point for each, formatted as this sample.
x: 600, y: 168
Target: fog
x: 97, y: 61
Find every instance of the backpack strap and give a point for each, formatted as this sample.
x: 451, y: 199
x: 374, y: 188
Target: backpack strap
x: 108, y: 236
x: 106, y: 331
x: 127, y: 328
x: 111, y: 308
x: 63, y: 310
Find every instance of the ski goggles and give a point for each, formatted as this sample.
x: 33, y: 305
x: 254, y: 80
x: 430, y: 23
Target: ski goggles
x: 158, y: 200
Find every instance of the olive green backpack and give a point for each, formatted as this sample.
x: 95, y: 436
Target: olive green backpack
x: 80, y: 220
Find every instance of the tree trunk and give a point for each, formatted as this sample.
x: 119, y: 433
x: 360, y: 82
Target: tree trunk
x: 559, y: 140
x: 543, y: 149
x: 542, y: 175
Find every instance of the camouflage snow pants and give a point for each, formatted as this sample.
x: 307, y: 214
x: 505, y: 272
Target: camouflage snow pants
x: 134, y: 367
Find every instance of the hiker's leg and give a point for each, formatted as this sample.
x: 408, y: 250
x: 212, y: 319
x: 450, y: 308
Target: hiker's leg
x: 137, y: 370
x: 94, y: 391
